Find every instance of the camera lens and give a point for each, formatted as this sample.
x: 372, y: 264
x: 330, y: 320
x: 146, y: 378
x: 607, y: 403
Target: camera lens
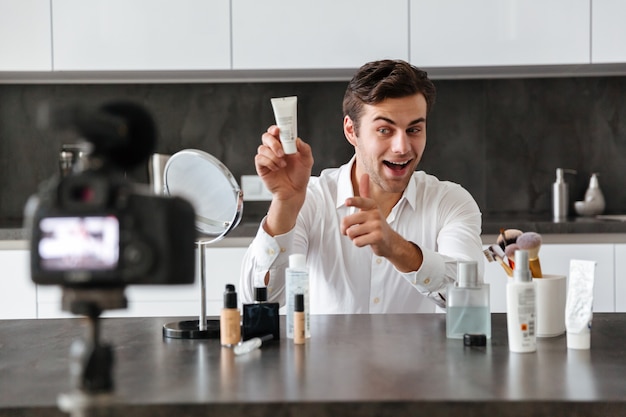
x: 83, y: 193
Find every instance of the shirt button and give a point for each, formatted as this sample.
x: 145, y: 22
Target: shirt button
x: 376, y: 300
x: 270, y: 251
x: 378, y: 261
x: 427, y: 281
x: 282, y: 250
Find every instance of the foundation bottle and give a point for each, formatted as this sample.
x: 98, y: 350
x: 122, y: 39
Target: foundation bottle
x: 299, y: 321
x: 230, y: 319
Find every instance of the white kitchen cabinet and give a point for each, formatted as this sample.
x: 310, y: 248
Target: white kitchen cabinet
x: 17, y: 291
x: 223, y: 265
x: 555, y: 259
x: 286, y: 34
x: 608, y: 31
x: 118, y: 35
x: 460, y: 33
x: 620, y: 278
x: 25, y: 35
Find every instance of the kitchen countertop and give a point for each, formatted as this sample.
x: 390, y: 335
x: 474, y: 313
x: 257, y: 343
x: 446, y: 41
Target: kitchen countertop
x: 575, y: 230
x: 356, y: 365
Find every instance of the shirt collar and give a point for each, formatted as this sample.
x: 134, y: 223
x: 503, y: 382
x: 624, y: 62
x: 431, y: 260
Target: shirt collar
x: 345, y: 190
x: 344, y: 183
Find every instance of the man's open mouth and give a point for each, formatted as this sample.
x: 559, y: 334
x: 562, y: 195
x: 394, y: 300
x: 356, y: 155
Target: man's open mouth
x: 397, y: 166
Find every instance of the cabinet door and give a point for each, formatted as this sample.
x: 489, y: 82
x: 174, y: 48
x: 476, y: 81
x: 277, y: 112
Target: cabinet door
x: 286, y: 34
x: 608, y: 35
x: 620, y: 278
x: 223, y: 265
x: 18, y: 299
x: 141, y: 35
x: 457, y: 33
x: 555, y: 259
x: 497, y: 280
x: 25, y: 35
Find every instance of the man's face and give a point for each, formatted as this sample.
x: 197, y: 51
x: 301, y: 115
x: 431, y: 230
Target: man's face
x: 390, y: 141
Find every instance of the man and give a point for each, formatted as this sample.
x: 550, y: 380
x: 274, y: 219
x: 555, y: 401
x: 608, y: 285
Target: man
x: 378, y: 236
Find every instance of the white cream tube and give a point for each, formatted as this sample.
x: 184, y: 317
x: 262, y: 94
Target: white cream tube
x: 286, y: 114
x: 579, y: 304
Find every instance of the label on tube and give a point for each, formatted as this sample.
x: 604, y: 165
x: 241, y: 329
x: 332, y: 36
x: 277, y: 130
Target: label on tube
x: 286, y: 114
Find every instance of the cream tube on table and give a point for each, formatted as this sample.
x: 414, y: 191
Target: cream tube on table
x: 286, y: 114
x: 579, y: 304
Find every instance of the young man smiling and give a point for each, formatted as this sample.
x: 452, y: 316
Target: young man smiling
x: 379, y: 237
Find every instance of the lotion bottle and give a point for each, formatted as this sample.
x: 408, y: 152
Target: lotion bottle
x: 521, y: 308
x: 297, y: 282
x: 467, y: 305
x: 560, y: 195
x: 230, y: 319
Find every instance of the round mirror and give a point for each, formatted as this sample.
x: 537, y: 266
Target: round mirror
x: 210, y: 187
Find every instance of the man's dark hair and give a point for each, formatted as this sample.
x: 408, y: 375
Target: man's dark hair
x: 380, y: 80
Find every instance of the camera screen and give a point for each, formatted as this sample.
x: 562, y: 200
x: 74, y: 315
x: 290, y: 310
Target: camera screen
x: 79, y: 243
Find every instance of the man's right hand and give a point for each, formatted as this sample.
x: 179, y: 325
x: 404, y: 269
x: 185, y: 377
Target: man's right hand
x: 286, y: 177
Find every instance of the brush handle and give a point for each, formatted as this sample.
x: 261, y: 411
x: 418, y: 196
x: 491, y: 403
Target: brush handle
x: 535, y: 268
x: 507, y: 268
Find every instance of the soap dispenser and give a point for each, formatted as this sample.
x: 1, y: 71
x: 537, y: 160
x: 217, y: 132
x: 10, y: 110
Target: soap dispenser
x: 594, y: 203
x: 560, y: 195
x: 467, y: 305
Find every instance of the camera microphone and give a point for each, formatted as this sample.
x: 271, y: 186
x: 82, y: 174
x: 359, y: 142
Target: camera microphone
x: 121, y: 132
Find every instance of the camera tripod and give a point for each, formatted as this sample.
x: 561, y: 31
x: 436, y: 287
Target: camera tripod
x: 91, y: 361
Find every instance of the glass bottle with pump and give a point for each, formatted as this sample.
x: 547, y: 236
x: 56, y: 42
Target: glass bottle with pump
x: 467, y: 304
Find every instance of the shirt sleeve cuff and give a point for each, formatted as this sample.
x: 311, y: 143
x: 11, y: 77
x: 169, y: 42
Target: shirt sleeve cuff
x: 431, y: 279
x: 270, y: 251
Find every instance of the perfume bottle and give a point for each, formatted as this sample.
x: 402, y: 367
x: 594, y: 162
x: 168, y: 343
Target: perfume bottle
x: 467, y: 305
x: 260, y: 318
x: 230, y: 326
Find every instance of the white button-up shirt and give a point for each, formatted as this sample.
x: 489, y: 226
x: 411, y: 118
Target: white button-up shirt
x: 440, y: 217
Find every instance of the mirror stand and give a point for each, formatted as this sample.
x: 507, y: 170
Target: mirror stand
x: 201, y: 328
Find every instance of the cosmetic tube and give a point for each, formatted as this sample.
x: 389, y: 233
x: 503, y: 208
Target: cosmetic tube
x: 286, y: 114
x: 299, y: 328
x: 252, y: 344
x: 579, y: 304
x: 230, y: 319
x: 521, y: 307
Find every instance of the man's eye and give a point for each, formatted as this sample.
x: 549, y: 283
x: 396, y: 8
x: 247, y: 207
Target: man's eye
x: 383, y: 130
x: 414, y: 130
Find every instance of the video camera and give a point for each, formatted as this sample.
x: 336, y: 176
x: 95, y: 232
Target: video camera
x: 95, y: 229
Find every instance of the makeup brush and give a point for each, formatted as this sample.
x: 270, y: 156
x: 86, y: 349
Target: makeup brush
x: 531, y: 242
x: 507, y: 237
x: 495, y: 253
x: 509, y: 252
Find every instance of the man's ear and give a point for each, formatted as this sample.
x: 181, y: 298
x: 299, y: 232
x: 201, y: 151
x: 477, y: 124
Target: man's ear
x: 349, y: 130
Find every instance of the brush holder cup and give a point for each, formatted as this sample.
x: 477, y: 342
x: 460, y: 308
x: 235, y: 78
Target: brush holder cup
x: 551, y: 293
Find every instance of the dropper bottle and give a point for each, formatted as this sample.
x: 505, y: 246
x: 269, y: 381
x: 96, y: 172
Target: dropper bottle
x: 521, y: 309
